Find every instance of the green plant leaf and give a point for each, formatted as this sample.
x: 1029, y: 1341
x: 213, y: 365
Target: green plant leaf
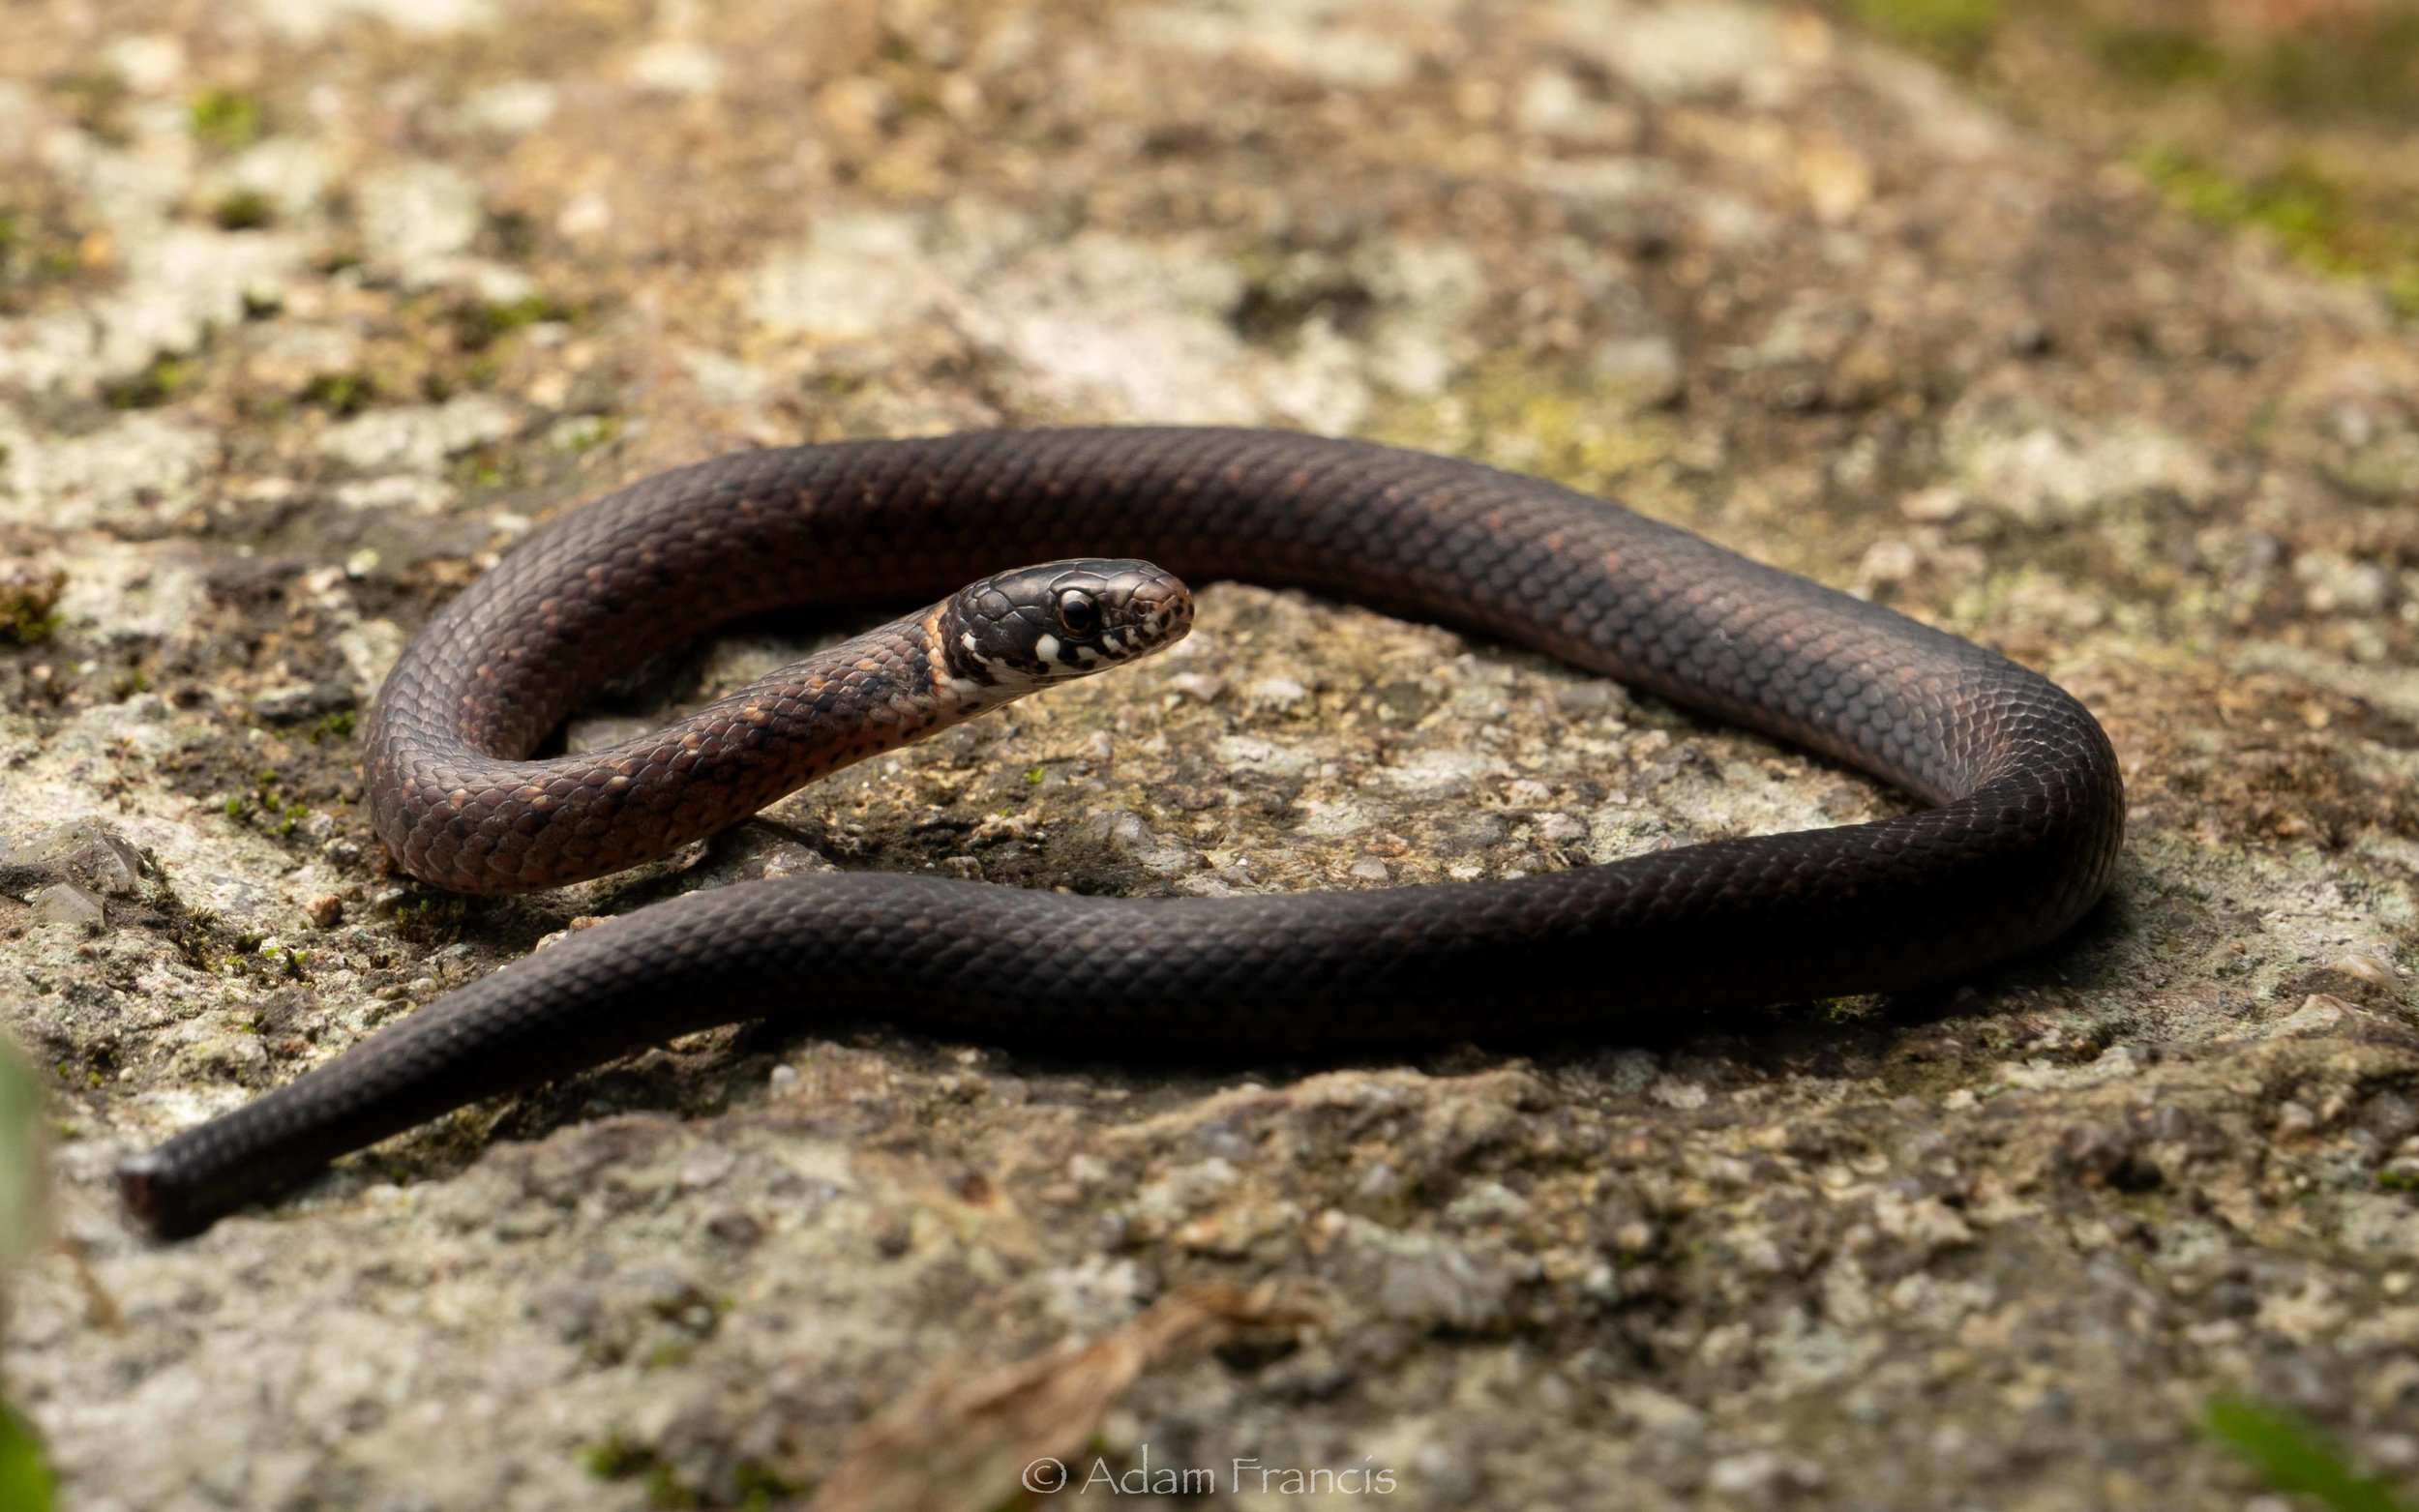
x: 20, y: 1158
x: 2293, y: 1457
x: 24, y: 1480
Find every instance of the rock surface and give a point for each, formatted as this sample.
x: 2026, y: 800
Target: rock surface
x: 308, y: 310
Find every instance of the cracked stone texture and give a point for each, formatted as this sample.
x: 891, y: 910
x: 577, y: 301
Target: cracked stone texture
x: 308, y: 311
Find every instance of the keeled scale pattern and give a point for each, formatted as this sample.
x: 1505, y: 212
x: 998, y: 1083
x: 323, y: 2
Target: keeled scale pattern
x: 2028, y: 817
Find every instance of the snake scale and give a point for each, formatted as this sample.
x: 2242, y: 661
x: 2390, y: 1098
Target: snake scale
x: 2024, y: 816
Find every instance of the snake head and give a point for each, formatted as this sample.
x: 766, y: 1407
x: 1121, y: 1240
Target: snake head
x: 1033, y: 626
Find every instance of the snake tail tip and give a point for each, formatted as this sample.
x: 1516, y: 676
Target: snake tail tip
x: 149, y: 1197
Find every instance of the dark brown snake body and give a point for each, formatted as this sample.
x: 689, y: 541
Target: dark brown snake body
x: 2022, y: 833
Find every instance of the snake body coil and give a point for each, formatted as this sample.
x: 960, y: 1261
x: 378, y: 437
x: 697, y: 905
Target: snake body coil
x: 2027, y: 817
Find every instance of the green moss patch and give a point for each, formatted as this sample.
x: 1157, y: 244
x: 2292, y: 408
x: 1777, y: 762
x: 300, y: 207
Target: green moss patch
x: 2315, y: 115
x: 1953, y: 29
x: 29, y: 607
x: 1512, y: 413
x: 225, y: 120
x: 2312, y: 212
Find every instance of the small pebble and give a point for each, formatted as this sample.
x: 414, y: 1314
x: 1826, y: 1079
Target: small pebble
x: 1932, y: 506
x: 2374, y: 970
x: 66, y: 902
x: 893, y: 1235
x: 1562, y: 829
x: 1276, y: 694
x: 735, y: 1227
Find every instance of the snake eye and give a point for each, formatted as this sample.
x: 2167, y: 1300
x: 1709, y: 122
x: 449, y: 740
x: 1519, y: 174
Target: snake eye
x: 1078, y: 614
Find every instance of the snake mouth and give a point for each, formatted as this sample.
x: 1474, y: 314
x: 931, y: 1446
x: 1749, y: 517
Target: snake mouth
x: 1160, y: 627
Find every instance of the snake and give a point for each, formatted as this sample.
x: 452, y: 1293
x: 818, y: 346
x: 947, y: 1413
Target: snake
x: 2015, y: 836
